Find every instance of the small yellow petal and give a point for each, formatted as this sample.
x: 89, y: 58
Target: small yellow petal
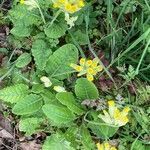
x: 99, y: 146
x: 82, y: 61
x: 56, y: 5
x: 106, y: 145
x: 88, y: 62
x: 74, y: 8
x: 126, y: 109
x: 113, y: 148
x: 79, y: 68
x: 111, y: 103
x: 90, y: 77
x: 124, y: 120
x: 61, y: 1
x: 22, y: 1
x: 94, y: 64
x: 81, y: 3
x: 117, y: 113
x: 76, y: 67
x: 90, y: 71
x: 68, y: 7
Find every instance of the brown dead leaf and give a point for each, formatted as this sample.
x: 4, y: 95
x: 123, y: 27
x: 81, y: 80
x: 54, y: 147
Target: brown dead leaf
x: 31, y: 145
x: 5, y: 134
x: 5, y: 123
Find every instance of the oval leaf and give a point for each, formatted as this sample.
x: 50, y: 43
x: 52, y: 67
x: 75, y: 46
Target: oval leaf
x: 58, y: 65
x: 103, y: 131
x: 58, y: 114
x: 30, y: 125
x: 41, y: 53
x: 14, y: 93
x: 56, y: 30
x: 23, y: 60
x: 56, y: 142
x: 86, y: 138
x: 29, y: 105
x: 67, y: 99
x: 85, y: 89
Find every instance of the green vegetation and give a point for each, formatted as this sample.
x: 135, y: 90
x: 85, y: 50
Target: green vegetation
x: 79, y: 72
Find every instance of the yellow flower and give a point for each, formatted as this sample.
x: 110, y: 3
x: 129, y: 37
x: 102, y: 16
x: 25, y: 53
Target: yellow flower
x: 61, y: 1
x: 111, y: 103
x: 114, y: 116
x: 87, y: 67
x: 22, y: 1
x: 82, y: 61
x: 89, y: 62
x: 80, y: 3
x: 91, y: 71
x: 105, y: 146
x: 69, y: 6
x: 90, y: 77
x: 76, y: 67
x: 56, y: 5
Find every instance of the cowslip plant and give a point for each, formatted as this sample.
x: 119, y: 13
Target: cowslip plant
x: 54, y: 43
x: 114, y: 116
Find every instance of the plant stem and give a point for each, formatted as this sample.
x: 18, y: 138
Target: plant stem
x: 92, y: 51
x: 41, y: 13
x: 142, y: 57
x: 55, y: 17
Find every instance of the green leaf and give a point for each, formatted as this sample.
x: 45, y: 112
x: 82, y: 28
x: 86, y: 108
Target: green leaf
x: 71, y: 135
x: 79, y: 37
x: 67, y: 99
x: 85, y: 89
x: 58, y: 65
x: 30, y: 125
x: 14, y: 93
x: 23, y: 60
x: 20, y: 30
x: 29, y: 105
x: 102, y: 131
x: 56, y: 30
x: 86, y: 138
x: 56, y: 142
x: 48, y: 97
x: 137, y: 145
x: 21, y: 14
x: 41, y: 53
x: 3, y: 50
x: 37, y: 88
x: 58, y: 114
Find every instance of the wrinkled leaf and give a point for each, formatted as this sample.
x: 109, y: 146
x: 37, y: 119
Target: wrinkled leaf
x: 28, y: 105
x: 85, y: 89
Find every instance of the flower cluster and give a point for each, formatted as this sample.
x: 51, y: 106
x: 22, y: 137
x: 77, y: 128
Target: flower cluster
x: 114, y: 116
x: 105, y: 146
x: 88, y: 67
x: 70, y: 6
